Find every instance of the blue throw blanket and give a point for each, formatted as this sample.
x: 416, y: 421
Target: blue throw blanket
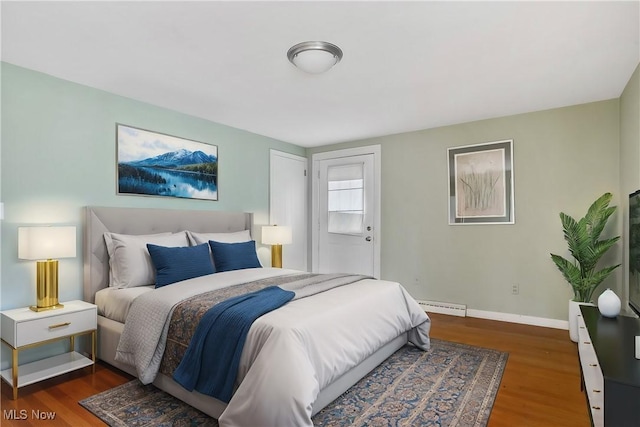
x: 210, y: 364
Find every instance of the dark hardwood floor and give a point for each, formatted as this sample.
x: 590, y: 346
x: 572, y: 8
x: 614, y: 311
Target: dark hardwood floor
x: 540, y: 386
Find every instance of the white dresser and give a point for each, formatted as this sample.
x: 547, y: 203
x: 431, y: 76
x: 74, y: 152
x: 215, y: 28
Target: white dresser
x: 610, y: 371
x: 591, y: 374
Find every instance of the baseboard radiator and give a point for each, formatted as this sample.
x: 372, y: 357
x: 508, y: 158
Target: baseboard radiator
x: 444, y: 308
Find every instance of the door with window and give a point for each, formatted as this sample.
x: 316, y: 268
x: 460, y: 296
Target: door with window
x: 347, y: 215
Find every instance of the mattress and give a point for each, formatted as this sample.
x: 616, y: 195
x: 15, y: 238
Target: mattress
x: 114, y: 303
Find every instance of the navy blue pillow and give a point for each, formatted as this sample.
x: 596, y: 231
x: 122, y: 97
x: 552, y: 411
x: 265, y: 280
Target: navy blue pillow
x: 180, y: 263
x: 234, y: 256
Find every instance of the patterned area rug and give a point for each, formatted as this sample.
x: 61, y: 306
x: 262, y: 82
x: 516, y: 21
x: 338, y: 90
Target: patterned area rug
x: 449, y: 385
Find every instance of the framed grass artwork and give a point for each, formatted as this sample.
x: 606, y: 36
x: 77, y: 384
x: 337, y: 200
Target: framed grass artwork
x: 481, y: 184
x: 155, y: 164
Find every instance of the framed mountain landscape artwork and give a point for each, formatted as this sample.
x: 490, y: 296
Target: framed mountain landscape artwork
x: 155, y: 164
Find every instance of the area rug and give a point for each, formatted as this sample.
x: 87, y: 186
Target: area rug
x: 450, y: 385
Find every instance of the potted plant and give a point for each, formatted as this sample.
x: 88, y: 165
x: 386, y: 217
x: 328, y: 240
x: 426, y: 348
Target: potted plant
x: 586, y: 248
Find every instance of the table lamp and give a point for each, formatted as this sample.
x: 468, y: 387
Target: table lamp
x: 276, y: 236
x: 46, y: 244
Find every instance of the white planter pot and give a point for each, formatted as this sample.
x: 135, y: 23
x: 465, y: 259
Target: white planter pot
x: 574, y: 311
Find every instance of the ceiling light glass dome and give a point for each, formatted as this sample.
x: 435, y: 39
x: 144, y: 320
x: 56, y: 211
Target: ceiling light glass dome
x: 314, y: 57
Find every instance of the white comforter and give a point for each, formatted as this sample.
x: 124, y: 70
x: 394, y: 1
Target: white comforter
x: 291, y: 353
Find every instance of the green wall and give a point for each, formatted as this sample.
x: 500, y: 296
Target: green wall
x: 563, y: 160
x: 59, y: 154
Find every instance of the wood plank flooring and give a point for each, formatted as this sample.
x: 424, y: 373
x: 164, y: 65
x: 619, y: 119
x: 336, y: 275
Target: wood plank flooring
x: 541, y: 383
x: 540, y: 386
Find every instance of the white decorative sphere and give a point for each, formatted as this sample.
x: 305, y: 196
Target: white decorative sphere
x: 609, y: 304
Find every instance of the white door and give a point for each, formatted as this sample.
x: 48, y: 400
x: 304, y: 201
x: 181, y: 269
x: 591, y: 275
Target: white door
x: 347, y: 205
x: 288, y: 204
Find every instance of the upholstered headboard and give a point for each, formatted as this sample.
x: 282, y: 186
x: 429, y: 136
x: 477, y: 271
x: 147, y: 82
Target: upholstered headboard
x: 99, y: 220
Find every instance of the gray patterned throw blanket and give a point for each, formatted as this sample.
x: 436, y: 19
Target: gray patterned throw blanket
x: 186, y: 316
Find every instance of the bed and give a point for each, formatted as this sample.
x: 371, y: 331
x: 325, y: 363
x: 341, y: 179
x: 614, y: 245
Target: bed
x: 297, y: 359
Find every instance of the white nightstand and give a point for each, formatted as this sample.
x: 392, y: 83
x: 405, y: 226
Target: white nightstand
x: 23, y: 328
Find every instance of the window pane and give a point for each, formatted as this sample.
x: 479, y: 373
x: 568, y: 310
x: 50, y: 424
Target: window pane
x: 346, y: 185
x: 346, y: 199
x: 345, y: 222
x: 345, y: 172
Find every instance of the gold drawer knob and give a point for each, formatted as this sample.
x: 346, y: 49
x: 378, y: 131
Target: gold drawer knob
x: 59, y: 325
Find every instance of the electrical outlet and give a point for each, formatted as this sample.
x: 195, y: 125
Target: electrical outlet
x: 515, y: 289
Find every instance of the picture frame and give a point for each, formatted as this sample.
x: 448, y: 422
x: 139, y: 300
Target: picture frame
x: 155, y: 164
x: 481, y: 187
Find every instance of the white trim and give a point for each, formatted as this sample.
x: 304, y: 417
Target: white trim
x: 347, y: 152
x: 273, y: 152
x: 376, y: 150
x: 519, y: 318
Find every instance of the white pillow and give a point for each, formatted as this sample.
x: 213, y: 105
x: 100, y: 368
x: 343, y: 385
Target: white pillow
x: 129, y: 260
x: 234, y: 237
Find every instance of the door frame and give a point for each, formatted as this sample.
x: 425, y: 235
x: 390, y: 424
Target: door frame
x: 273, y: 188
x: 376, y: 150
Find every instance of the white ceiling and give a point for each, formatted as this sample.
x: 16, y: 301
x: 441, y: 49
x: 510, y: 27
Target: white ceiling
x: 406, y: 66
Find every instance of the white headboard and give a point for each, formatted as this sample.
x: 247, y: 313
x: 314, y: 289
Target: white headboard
x: 99, y: 220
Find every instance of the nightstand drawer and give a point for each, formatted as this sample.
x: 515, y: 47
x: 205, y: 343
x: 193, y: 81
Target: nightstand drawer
x: 51, y: 327
x: 22, y: 326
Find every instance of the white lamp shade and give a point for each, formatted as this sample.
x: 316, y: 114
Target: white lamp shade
x: 276, y: 235
x: 315, y: 61
x: 46, y: 242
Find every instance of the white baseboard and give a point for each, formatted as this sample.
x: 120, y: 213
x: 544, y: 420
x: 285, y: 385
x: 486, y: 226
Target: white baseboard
x: 461, y: 310
x: 519, y: 318
x: 443, y: 308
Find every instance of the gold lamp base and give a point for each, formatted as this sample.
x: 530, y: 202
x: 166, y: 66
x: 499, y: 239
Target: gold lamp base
x: 47, y: 286
x: 276, y: 256
x: 53, y: 307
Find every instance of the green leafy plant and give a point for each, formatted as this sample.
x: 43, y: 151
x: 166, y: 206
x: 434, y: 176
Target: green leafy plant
x: 585, y: 246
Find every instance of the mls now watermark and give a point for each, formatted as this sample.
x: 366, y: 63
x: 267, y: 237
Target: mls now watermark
x: 23, y: 414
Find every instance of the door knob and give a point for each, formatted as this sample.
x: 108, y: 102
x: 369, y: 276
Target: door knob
x: 368, y: 238
x: 368, y: 228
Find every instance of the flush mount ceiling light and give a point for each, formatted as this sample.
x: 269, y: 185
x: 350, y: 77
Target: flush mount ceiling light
x: 314, y: 57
